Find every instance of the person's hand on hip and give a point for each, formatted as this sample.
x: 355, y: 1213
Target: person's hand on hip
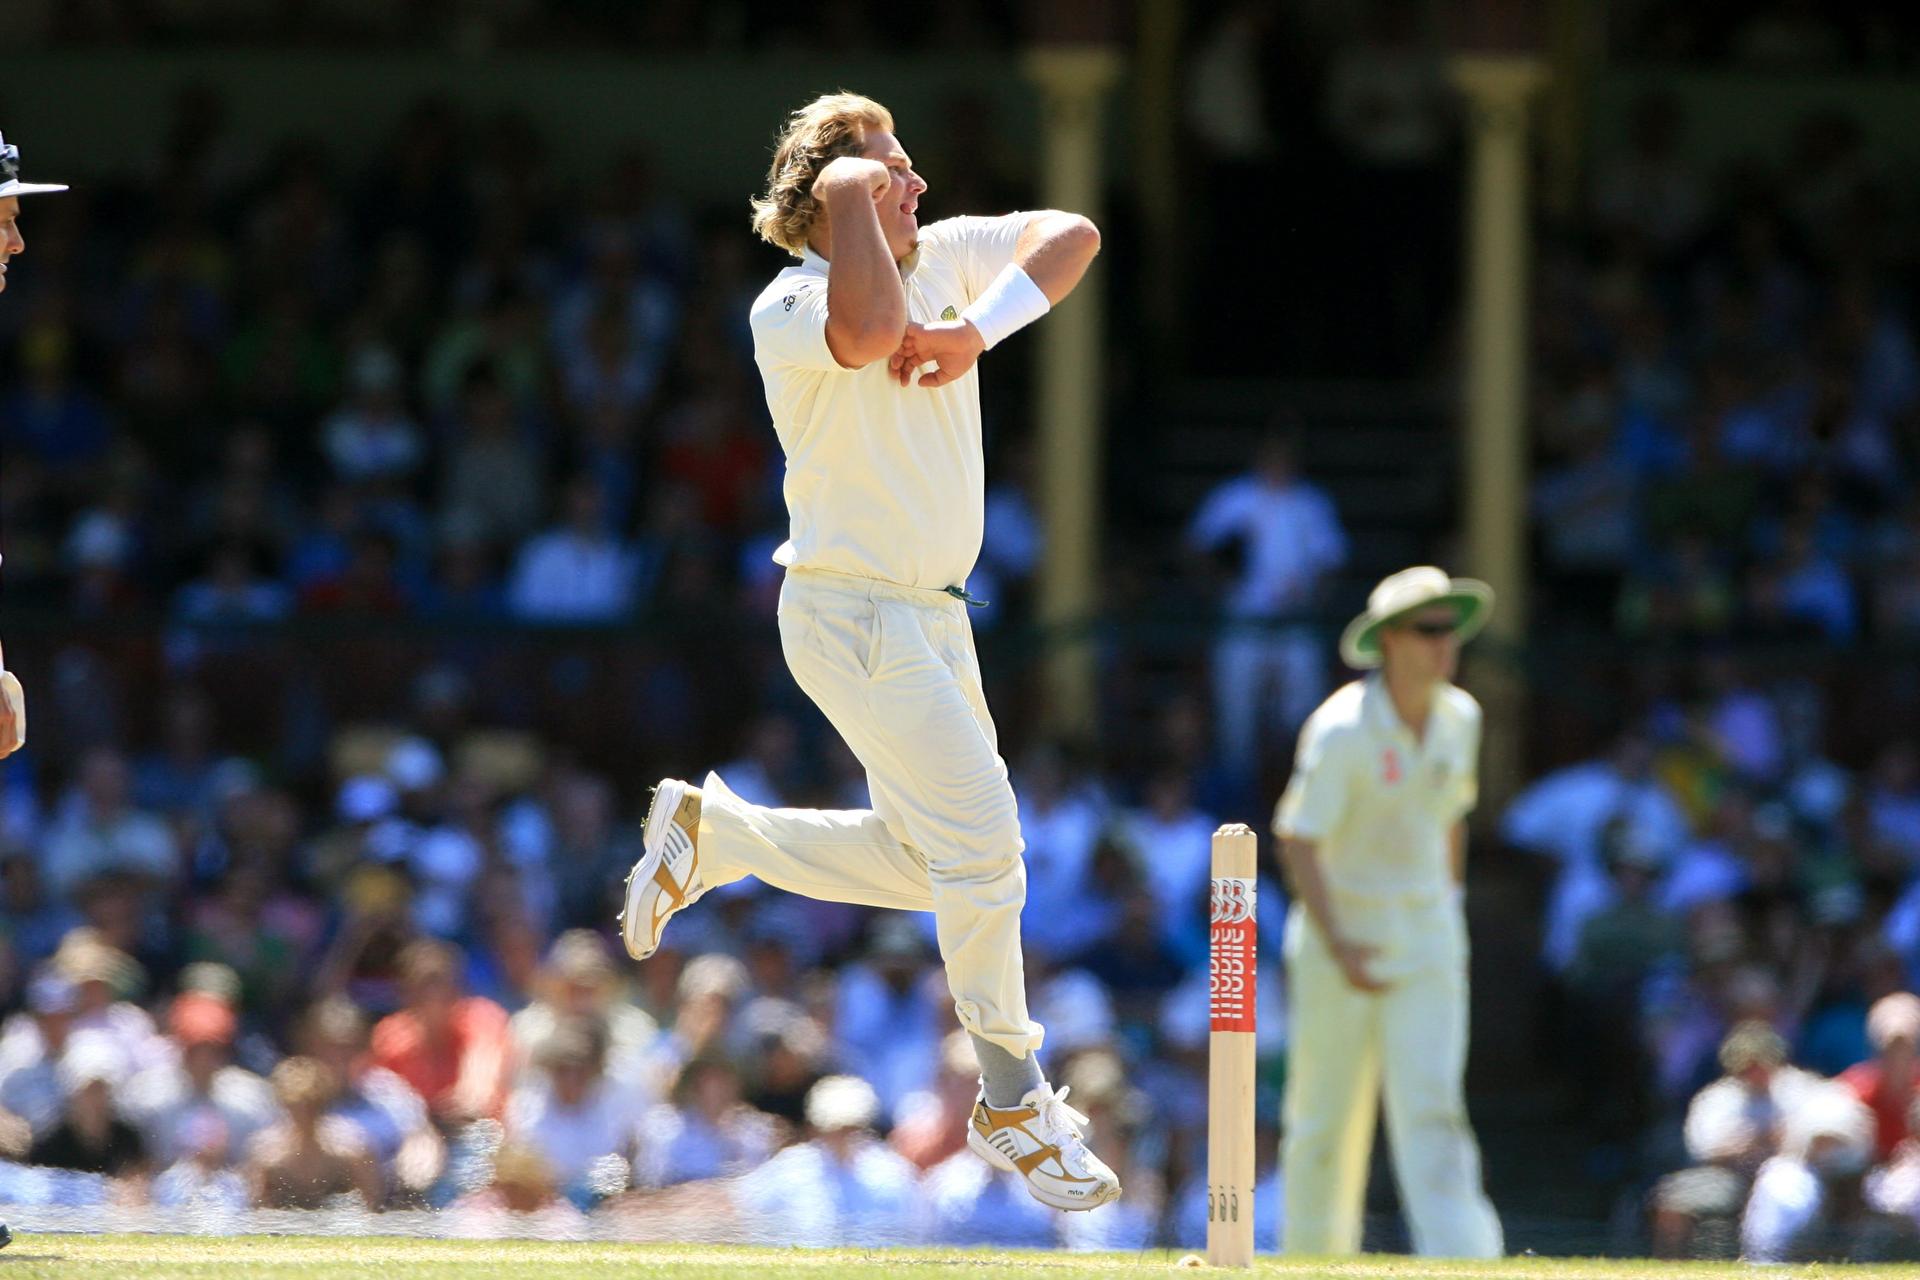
x: 1352, y: 957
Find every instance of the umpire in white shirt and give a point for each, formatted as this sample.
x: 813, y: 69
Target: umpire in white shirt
x: 1372, y: 838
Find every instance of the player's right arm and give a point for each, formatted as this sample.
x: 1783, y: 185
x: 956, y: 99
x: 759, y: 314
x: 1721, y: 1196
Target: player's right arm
x: 1315, y: 799
x: 1300, y: 862
x: 866, y: 302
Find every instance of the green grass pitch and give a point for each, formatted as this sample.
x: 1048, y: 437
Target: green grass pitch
x: 136, y: 1257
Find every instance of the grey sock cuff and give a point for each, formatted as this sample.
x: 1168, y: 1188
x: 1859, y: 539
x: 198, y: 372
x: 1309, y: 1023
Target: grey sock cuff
x: 1005, y: 1078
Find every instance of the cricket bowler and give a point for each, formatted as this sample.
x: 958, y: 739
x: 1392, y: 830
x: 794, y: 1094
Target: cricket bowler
x: 868, y: 348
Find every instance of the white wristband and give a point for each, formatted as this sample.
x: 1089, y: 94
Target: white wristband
x: 1012, y: 302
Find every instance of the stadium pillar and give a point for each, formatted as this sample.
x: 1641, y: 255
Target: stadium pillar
x: 1498, y: 88
x: 1073, y: 80
x: 1155, y: 124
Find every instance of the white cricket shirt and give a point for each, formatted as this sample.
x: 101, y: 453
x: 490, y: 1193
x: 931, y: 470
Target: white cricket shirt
x: 1377, y: 802
x: 883, y: 481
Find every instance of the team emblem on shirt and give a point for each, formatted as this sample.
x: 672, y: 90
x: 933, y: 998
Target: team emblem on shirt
x: 949, y: 313
x: 1389, y: 766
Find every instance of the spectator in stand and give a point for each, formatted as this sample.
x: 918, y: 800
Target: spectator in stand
x: 884, y: 1016
x: 1172, y: 842
x: 308, y: 1160
x: 612, y: 331
x: 32, y: 920
x: 1734, y: 1126
x: 1621, y: 946
x: 233, y: 587
x: 1809, y: 1202
x: 164, y: 1101
x: 391, y: 1121
x: 104, y: 978
x: 842, y: 1186
x: 493, y: 479
x: 521, y: 1199
x: 578, y: 980
x: 768, y: 763
x: 971, y: 1204
x: 582, y: 1124
x: 1562, y: 817
x: 1885, y: 1082
x: 454, y: 1050
x: 1060, y: 820
x: 371, y: 437
x: 577, y: 571
x: 1288, y: 540
x: 99, y: 830
x: 930, y: 1125
x: 704, y: 999
x: 91, y: 1137
x: 707, y: 1131
x: 202, y: 1179
x: 31, y: 1049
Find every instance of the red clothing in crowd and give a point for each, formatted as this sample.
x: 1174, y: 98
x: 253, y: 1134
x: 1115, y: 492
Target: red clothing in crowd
x: 1868, y: 1080
x: 474, y: 1059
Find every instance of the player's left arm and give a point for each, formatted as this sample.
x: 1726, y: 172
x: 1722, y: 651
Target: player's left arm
x: 1054, y: 251
x: 1050, y: 257
x: 1469, y: 797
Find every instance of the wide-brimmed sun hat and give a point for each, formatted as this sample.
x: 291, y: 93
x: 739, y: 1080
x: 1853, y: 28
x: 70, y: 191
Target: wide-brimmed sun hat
x: 1409, y: 590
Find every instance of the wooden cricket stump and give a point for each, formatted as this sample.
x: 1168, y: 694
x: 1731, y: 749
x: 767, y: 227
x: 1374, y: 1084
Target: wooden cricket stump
x: 1232, y: 969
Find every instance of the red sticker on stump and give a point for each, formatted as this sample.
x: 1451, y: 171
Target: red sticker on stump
x: 1232, y: 965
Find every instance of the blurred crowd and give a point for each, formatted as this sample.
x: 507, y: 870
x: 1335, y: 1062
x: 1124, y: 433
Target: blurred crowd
x: 1729, y: 437
x: 415, y: 1004
x: 1730, y: 402
x: 341, y: 934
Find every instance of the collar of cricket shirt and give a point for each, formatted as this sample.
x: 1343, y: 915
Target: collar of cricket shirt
x: 1377, y: 706
x: 908, y: 265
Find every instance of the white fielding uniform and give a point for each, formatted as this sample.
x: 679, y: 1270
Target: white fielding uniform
x: 1378, y: 805
x: 885, y: 491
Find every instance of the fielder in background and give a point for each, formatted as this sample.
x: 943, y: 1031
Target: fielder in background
x: 13, y: 699
x: 1373, y: 842
x: 869, y: 348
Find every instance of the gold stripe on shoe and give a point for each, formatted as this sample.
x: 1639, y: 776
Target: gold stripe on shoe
x: 990, y: 1120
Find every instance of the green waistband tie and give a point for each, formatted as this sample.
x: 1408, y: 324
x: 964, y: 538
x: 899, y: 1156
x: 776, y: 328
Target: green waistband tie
x: 960, y: 593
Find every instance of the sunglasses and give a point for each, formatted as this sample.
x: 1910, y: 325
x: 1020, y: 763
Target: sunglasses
x: 9, y: 162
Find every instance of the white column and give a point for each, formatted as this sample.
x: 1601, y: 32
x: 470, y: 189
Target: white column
x: 1073, y: 81
x: 1498, y: 88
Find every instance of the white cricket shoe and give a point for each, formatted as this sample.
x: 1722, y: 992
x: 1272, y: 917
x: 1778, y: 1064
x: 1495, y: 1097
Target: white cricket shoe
x: 1041, y: 1141
x: 667, y: 877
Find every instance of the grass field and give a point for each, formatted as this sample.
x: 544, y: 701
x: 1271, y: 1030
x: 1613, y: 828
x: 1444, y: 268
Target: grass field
x: 308, y: 1257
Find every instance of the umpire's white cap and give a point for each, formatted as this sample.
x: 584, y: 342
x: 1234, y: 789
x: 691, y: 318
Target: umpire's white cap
x: 10, y: 184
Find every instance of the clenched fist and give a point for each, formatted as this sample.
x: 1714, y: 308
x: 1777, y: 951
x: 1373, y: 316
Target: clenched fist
x: 955, y: 345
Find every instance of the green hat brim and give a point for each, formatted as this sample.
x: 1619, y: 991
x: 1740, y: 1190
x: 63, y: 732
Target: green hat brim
x: 1472, y: 604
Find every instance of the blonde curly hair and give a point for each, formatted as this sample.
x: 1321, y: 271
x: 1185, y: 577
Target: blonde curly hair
x: 827, y: 128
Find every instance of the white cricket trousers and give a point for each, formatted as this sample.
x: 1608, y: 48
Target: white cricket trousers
x: 1343, y: 1046
x: 893, y: 668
